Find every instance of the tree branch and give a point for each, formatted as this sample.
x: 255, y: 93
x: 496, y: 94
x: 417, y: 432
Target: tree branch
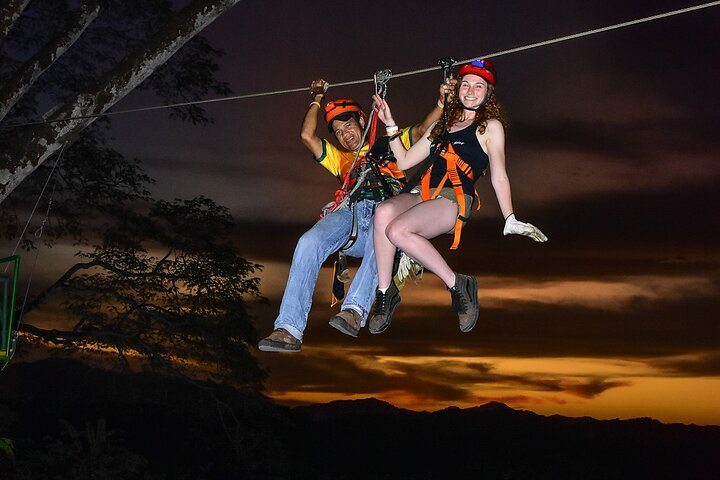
x: 60, y: 337
x: 42, y: 141
x: 41, y: 61
x: 59, y: 283
x: 8, y: 15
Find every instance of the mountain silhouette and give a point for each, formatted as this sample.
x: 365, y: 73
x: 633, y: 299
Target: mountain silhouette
x: 201, y: 430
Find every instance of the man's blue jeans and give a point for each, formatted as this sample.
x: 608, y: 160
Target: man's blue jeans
x: 326, y: 237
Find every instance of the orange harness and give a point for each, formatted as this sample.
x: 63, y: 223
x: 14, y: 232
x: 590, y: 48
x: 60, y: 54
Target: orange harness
x: 453, y: 163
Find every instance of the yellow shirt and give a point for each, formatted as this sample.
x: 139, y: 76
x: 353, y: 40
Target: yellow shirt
x: 338, y: 161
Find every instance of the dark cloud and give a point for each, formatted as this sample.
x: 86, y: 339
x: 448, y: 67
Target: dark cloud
x: 484, y: 373
x: 587, y: 389
x: 657, y: 331
x: 620, y: 141
x: 675, y: 218
x: 439, y: 380
x: 670, y: 231
x: 701, y: 365
x: 525, y: 329
x: 516, y: 400
x: 594, y: 387
x: 328, y: 372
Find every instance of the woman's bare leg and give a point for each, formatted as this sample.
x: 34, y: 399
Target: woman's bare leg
x: 411, y: 230
x: 385, y: 213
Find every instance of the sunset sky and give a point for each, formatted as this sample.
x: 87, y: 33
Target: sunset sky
x: 612, y: 150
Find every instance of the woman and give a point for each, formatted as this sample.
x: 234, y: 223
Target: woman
x: 474, y: 140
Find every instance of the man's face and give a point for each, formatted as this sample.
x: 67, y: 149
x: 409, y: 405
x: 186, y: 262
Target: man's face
x: 348, y: 133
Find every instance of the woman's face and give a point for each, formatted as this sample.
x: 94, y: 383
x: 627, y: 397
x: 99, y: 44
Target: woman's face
x: 473, y: 90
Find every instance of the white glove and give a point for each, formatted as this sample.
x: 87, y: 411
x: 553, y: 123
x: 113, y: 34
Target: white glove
x: 515, y: 226
x: 407, y: 267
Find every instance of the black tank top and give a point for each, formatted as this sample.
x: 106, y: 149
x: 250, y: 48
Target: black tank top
x: 466, y: 145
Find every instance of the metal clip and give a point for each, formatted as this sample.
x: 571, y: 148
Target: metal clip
x: 444, y: 139
x: 381, y: 78
x: 446, y: 64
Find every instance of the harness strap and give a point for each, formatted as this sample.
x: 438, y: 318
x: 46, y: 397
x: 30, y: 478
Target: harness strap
x: 354, y: 231
x: 341, y: 276
x: 452, y: 163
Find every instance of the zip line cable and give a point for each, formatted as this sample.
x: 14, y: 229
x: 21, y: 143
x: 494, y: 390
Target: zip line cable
x: 403, y: 74
x: 570, y: 37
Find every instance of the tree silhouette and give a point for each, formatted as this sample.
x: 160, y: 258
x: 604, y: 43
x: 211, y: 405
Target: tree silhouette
x: 90, y: 182
x: 157, y: 282
x: 7, y: 451
x: 89, y: 453
x: 164, y: 290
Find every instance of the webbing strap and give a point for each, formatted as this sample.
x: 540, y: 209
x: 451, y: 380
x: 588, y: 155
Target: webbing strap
x: 452, y: 163
x: 353, y: 231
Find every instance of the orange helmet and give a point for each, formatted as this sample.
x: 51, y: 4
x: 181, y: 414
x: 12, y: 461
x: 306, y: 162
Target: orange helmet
x: 480, y: 67
x: 346, y: 107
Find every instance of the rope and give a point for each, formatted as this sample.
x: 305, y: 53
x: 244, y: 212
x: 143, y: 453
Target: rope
x: 38, y: 235
x: 380, y: 89
x: 403, y: 74
x: 42, y: 192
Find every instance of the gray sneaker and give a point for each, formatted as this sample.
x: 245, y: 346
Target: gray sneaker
x: 280, y: 340
x: 347, y: 321
x: 385, y: 305
x: 465, y: 300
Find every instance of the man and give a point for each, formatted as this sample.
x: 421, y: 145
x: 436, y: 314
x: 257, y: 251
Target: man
x: 346, y: 120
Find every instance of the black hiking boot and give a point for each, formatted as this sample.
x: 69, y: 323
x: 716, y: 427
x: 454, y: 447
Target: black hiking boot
x: 385, y: 305
x: 465, y: 300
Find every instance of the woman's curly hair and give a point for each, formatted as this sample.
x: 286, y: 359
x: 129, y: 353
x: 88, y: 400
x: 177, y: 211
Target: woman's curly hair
x: 491, y: 109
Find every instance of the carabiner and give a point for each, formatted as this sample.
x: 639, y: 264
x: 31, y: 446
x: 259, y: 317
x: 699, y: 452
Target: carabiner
x: 381, y: 78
